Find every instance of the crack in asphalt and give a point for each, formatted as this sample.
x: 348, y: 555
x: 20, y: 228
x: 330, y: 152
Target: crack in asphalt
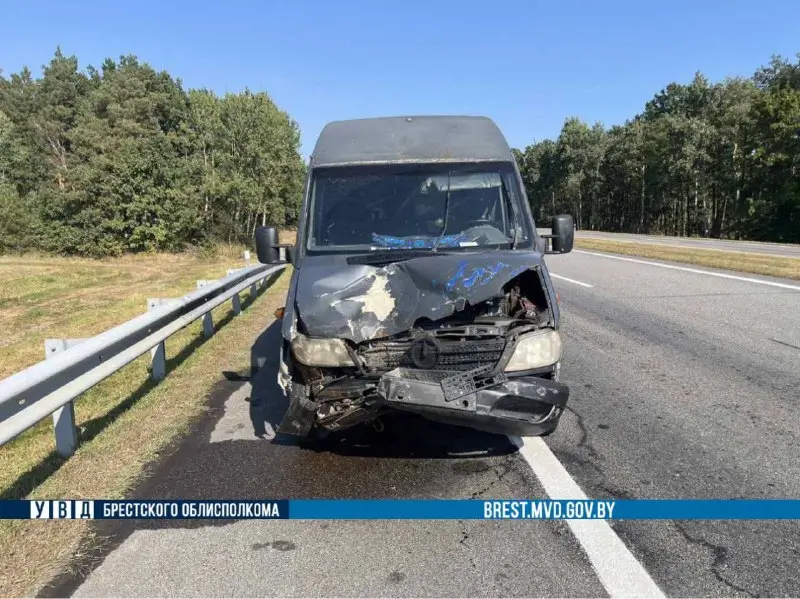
x: 720, y: 558
x: 719, y: 553
x: 500, y: 472
x: 783, y: 343
x: 583, y: 442
x: 463, y: 541
x: 616, y: 492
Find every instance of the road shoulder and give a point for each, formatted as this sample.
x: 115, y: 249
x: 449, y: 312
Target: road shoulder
x: 33, y: 554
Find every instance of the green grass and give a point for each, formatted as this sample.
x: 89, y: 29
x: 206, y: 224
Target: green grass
x: 65, y: 297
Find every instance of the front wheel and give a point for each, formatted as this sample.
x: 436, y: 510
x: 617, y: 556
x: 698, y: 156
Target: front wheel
x: 314, y: 437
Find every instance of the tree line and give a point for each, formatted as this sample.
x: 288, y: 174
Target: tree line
x: 123, y: 159
x: 718, y: 159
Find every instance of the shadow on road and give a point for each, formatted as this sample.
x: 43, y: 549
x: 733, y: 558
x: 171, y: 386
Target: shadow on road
x: 234, y: 453
x: 411, y: 458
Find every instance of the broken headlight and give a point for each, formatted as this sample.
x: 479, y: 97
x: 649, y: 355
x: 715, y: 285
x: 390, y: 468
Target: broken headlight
x: 535, y: 350
x: 320, y: 352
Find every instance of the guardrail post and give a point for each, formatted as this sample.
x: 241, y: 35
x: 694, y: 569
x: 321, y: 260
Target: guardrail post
x: 208, y: 322
x: 237, y: 303
x: 236, y: 300
x: 158, y: 355
x: 64, y: 417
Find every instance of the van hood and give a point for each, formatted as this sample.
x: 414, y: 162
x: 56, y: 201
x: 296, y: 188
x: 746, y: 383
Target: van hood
x: 360, y: 302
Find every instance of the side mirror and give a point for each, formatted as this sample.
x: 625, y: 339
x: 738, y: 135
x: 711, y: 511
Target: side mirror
x: 268, y: 247
x: 563, y: 234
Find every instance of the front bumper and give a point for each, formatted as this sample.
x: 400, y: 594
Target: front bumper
x: 514, y: 405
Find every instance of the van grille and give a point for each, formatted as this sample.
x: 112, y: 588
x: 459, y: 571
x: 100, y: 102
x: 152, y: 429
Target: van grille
x: 439, y: 354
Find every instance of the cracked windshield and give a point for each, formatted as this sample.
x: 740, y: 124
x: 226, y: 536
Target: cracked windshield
x: 395, y: 208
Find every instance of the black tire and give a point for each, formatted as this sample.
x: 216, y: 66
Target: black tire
x: 315, y: 437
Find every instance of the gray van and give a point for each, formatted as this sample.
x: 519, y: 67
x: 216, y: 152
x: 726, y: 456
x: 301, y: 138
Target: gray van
x: 419, y: 282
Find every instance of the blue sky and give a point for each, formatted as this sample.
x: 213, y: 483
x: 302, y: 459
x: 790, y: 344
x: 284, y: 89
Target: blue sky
x: 527, y: 64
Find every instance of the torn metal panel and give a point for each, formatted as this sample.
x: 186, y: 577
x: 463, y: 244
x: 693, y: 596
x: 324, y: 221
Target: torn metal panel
x: 376, y: 300
x: 421, y: 387
x: 360, y: 302
x: 527, y: 405
x: 284, y: 377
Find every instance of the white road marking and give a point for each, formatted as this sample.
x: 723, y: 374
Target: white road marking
x: 618, y: 570
x: 555, y: 276
x: 694, y: 270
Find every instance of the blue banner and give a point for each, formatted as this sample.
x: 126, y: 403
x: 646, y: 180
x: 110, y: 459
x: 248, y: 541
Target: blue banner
x: 545, y: 509
x: 406, y: 509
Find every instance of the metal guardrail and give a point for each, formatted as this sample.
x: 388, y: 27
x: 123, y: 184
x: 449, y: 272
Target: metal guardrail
x: 72, y: 366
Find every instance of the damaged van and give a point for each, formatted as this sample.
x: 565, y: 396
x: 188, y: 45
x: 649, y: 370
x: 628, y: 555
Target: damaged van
x: 419, y: 282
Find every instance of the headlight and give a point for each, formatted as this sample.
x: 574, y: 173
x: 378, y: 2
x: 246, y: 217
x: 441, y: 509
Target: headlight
x: 320, y: 352
x: 535, y: 350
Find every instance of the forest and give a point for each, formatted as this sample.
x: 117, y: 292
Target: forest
x: 121, y: 158
x: 709, y: 159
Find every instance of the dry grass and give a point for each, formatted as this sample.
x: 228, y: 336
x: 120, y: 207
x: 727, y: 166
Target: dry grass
x: 287, y: 235
x: 761, y: 264
x: 70, y: 297
x: 64, y: 297
x: 114, y: 458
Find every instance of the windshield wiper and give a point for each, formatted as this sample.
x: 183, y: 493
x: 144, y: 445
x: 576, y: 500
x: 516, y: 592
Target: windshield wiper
x: 512, y: 213
x: 388, y: 257
x: 446, y: 211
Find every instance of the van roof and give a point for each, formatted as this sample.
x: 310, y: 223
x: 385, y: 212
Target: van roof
x: 401, y: 139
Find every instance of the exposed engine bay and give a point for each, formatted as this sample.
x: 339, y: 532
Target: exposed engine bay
x: 464, y: 362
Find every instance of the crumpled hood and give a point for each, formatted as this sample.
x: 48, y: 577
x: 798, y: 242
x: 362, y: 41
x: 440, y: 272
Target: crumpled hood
x: 360, y: 302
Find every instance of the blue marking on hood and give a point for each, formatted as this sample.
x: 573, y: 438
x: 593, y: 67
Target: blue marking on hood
x: 479, y: 275
x: 453, y: 281
x: 519, y: 269
x: 483, y: 274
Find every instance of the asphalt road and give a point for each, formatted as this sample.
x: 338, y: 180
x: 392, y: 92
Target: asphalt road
x: 683, y: 385
x: 727, y: 245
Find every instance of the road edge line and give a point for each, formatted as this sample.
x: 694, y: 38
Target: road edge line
x: 582, y: 284
x: 620, y: 573
x: 721, y: 275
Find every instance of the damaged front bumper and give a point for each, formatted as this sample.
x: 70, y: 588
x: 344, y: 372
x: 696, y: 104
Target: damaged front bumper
x: 492, y: 402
